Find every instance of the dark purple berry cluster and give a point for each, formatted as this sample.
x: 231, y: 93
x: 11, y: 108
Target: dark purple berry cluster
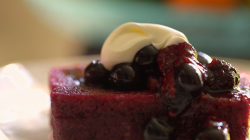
x: 127, y: 76
x: 190, y: 79
x: 134, y: 76
x: 174, y: 70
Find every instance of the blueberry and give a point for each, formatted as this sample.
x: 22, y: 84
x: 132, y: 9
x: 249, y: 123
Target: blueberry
x: 187, y: 86
x: 214, y: 129
x: 214, y: 122
x: 204, y: 59
x: 124, y: 77
x: 212, y: 134
x: 157, y: 129
x: 189, y: 78
x: 176, y: 101
x: 145, y: 59
x: 96, y: 74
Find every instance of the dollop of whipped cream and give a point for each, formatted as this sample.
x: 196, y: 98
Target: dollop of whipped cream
x: 125, y: 41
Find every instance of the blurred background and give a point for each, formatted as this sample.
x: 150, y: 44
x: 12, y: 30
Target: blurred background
x: 44, y: 29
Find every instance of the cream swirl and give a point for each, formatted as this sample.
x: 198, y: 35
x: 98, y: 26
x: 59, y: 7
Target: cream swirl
x: 126, y: 40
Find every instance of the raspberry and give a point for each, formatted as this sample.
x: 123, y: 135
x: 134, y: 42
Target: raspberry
x: 221, y: 76
x: 171, y: 56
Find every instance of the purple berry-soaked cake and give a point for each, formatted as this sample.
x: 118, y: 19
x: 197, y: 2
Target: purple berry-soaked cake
x: 150, y: 84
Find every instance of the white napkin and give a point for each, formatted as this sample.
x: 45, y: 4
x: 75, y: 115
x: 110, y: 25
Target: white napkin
x: 21, y: 98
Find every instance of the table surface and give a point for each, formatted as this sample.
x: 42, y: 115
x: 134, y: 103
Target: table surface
x: 40, y: 69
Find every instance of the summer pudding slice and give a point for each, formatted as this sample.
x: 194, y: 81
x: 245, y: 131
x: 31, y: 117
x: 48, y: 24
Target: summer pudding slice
x: 150, y: 84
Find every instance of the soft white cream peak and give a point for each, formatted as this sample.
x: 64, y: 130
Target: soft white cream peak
x: 125, y: 41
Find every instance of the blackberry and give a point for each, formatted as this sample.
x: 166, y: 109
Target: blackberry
x: 221, y: 76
